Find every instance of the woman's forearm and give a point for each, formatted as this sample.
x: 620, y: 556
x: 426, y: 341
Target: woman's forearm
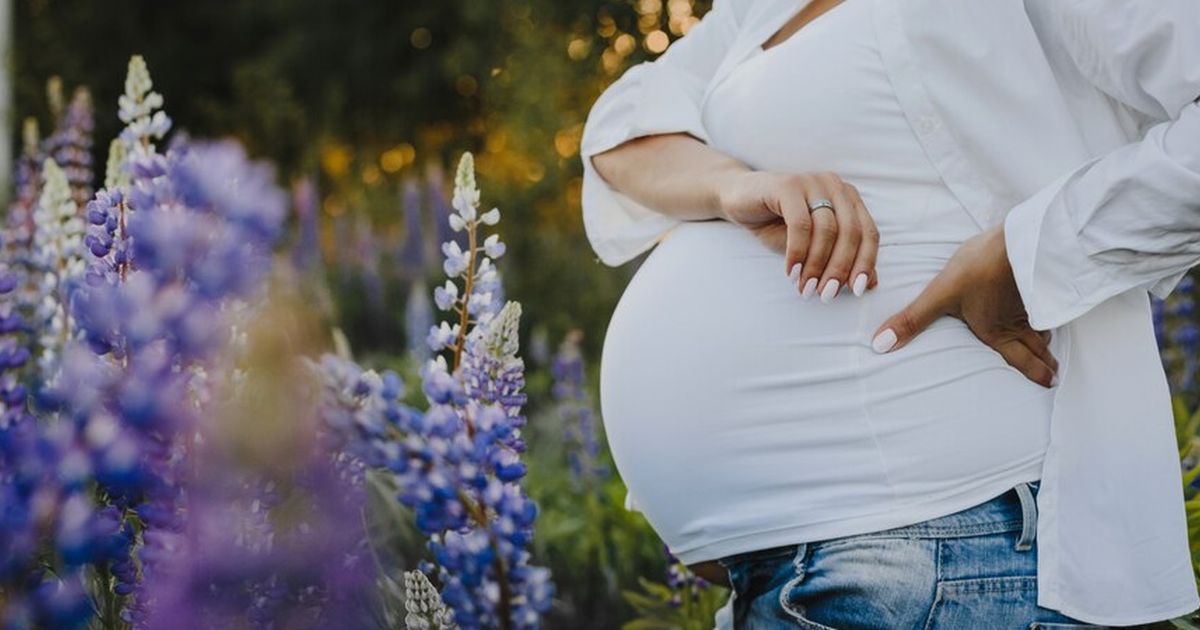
x: 675, y: 174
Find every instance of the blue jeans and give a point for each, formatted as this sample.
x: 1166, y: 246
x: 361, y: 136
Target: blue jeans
x: 974, y: 569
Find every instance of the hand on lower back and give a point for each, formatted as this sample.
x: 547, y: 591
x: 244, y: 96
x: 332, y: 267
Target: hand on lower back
x: 977, y: 286
x: 824, y: 250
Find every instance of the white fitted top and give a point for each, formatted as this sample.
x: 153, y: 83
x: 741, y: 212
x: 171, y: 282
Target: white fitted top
x: 742, y: 416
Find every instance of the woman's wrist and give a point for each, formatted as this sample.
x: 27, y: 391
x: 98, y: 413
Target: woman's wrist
x: 739, y: 196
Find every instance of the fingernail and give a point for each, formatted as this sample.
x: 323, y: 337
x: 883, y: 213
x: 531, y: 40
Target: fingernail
x: 860, y: 284
x: 810, y: 287
x: 830, y: 290
x: 1054, y: 380
x: 794, y: 276
x: 884, y: 341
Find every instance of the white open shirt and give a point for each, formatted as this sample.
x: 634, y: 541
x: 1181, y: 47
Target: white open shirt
x: 1074, y: 122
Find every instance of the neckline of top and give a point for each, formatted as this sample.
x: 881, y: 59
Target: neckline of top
x: 758, y: 48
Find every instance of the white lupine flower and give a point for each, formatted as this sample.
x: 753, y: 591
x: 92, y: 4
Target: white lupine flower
x: 479, y: 301
x: 491, y: 217
x: 466, y: 193
x: 446, y: 296
x: 493, y: 247
x: 424, y: 605
x: 501, y: 336
x: 140, y: 109
x: 457, y: 223
x: 57, y: 251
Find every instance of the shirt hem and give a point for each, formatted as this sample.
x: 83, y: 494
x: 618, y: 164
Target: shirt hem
x: 1132, y: 620
x: 909, y: 514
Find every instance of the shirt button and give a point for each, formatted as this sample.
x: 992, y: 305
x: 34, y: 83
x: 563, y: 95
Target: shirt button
x: 927, y: 124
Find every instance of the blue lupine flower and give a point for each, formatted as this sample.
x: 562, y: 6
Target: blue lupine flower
x: 306, y: 255
x: 463, y: 455
x: 70, y: 146
x: 200, y: 245
x: 575, y: 409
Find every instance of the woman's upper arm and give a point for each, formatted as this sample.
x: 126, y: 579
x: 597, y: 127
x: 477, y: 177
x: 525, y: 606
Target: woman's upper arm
x: 653, y: 97
x: 1145, y: 55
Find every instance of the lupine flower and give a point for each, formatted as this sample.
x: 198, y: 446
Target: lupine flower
x: 70, y: 146
x: 58, y: 244
x: 425, y: 608
x: 463, y: 468
x: 202, y: 238
x: 575, y: 409
x: 306, y: 254
x: 140, y: 109
x: 683, y: 583
x: 412, y: 252
x: 19, y: 225
x: 418, y: 318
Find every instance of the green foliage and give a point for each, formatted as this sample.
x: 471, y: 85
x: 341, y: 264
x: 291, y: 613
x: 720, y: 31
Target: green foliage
x: 656, y: 612
x: 1187, y: 431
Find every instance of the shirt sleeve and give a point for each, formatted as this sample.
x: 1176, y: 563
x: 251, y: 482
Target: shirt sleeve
x: 1130, y: 218
x: 653, y: 97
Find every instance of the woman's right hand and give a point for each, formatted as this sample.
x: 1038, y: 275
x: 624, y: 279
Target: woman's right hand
x: 829, y: 248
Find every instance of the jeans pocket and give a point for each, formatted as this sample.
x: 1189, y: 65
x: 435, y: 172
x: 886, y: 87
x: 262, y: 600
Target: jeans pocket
x: 982, y: 602
x: 991, y: 602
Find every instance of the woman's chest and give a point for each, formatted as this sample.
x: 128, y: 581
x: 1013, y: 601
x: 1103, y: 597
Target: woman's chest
x: 819, y: 101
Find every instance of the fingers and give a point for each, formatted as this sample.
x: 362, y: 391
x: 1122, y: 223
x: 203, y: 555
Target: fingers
x: 845, y: 247
x: 828, y: 248
x: 933, y: 302
x: 1038, y: 343
x: 862, y: 272
x: 1027, y: 361
x: 824, y: 234
x: 824, y: 228
x: 798, y: 236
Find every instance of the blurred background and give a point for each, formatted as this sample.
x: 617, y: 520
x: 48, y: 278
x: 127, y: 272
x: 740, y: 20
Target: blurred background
x: 372, y: 100
x: 365, y: 107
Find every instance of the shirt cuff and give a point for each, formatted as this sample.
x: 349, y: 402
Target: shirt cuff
x: 646, y: 100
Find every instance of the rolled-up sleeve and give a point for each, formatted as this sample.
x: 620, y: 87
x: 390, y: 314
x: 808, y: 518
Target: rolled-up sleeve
x: 1130, y: 218
x: 653, y: 97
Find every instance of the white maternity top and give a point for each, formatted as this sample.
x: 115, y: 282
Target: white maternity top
x: 742, y: 416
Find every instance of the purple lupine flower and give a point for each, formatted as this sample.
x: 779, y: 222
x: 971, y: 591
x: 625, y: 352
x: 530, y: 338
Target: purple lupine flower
x: 70, y: 146
x: 463, y: 470
x: 367, y: 250
x: 412, y: 252
x: 575, y: 410
x: 682, y: 582
x: 418, y: 319
x: 19, y: 225
x: 306, y: 254
x: 202, y: 236
x: 234, y: 567
x: 1178, y: 335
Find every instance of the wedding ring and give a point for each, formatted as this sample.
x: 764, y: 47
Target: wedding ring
x: 819, y: 203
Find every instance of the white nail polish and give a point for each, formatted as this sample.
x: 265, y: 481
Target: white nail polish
x: 884, y: 341
x: 794, y: 276
x: 830, y: 290
x: 810, y: 288
x: 860, y: 284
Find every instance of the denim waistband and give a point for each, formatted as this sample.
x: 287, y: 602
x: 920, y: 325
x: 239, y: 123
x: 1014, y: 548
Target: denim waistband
x: 1014, y: 510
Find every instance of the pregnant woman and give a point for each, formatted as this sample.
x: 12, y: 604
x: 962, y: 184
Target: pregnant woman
x: 787, y: 164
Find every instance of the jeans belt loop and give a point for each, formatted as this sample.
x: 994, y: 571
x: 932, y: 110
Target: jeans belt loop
x: 1028, y: 517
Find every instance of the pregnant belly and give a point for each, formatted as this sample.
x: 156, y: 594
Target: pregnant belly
x: 723, y: 390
